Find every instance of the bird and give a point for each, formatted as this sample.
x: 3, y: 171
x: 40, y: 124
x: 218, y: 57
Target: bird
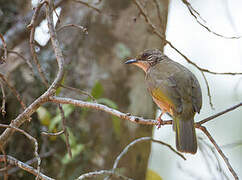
x: 176, y: 91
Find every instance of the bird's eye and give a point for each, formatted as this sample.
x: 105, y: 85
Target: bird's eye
x: 145, y: 55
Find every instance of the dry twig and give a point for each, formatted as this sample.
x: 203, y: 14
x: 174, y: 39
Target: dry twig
x: 89, y: 6
x: 196, y: 15
x: 13, y: 161
x: 14, y: 91
x: 3, y: 111
x: 30, y: 138
x: 83, y: 29
x: 205, y: 131
x: 5, y: 54
x: 102, y: 172
x: 32, y: 44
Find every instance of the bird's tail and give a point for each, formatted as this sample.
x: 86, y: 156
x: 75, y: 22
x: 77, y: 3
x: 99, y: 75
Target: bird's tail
x: 186, y: 140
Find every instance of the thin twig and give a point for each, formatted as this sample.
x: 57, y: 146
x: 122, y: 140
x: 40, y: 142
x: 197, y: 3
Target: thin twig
x: 50, y: 91
x: 5, y: 54
x: 125, y: 150
x: 31, y: 161
x: 32, y: 44
x: 102, y: 172
x: 232, y: 145
x: 14, y: 91
x: 5, y: 163
x: 52, y: 134
x: 89, y: 6
x: 153, y: 27
x: 193, y: 12
x: 205, y: 131
x: 83, y: 29
x: 65, y: 130
x: 30, y: 138
x: 3, y: 111
x: 79, y: 92
x: 22, y: 57
x: 13, y: 161
x: 219, y: 167
x: 208, y: 90
x: 218, y: 114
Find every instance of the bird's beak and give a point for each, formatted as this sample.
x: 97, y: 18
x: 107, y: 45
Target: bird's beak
x: 131, y: 61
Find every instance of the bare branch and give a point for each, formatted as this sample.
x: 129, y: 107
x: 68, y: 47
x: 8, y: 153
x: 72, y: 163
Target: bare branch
x: 194, y: 13
x: 14, y: 91
x: 102, y: 107
x: 80, y: 92
x: 157, y: 32
x: 102, y: 172
x: 52, y: 134
x: 89, y: 6
x: 50, y: 91
x: 5, y: 163
x: 32, y: 26
x: 208, y: 90
x: 22, y: 57
x: 13, y: 161
x: 65, y: 130
x: 205, y: 131
x: 125, y: 150
x: 3, y: 111
x: 30, y: 138
x: 218, y: 114
x: 83, y: 29
x: 5, y: 54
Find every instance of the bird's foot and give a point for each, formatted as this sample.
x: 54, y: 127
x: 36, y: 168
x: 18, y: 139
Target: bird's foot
x: 160, y: 122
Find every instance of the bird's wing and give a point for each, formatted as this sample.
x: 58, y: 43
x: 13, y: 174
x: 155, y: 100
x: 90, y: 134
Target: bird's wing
x: 162, y: 84
x: 196, y: 95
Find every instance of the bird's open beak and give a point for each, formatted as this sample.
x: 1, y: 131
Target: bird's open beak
x: 131, y: 61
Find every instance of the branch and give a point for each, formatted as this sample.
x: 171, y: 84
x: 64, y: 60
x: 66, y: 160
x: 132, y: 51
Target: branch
x: 80, y: 103
x: 3, y: 111
x: 50, y: 91
x: 31, y: 139
x: 32, y: 26
x: 14, y: 91
x: 83, y: 29
x: 153, y: 27
x: 5, y: 54
x: 194, y: 13
x: 89, y: 6
x: 66, y: 134
x: 218, y: 114
x: 205, y: 131
x: 13, y: 161
x: 102, y: 172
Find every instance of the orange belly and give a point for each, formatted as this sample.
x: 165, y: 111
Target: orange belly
x: 164, y: 106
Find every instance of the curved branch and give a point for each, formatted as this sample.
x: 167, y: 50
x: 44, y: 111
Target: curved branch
x: 102, y: 172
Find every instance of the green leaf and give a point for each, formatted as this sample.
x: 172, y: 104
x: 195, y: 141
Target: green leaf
x: 107, y: 102
x: 97, y: 90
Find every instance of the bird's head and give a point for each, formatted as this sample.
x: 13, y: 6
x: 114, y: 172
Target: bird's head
x: 147, y: 59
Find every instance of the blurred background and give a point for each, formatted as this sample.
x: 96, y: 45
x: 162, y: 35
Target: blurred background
x: 94, y: 63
